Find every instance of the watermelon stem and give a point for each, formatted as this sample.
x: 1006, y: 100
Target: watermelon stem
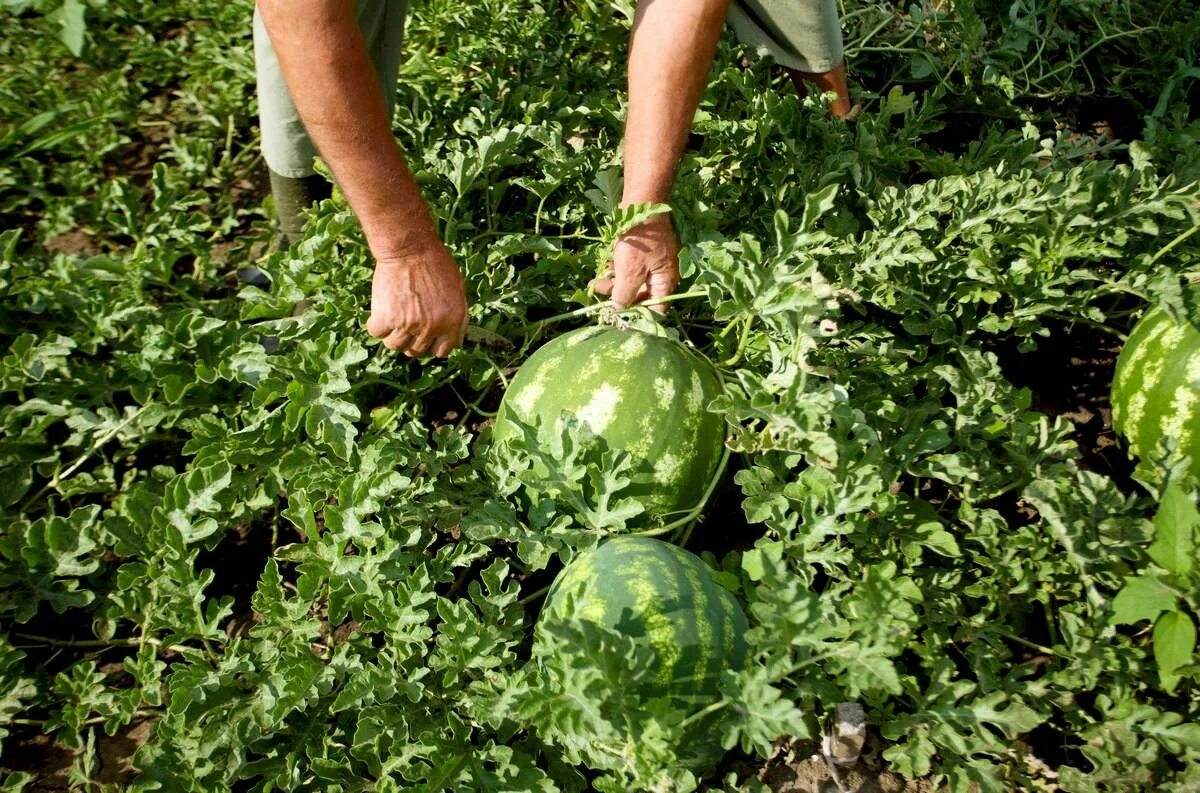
x: 1109, y: 329
x: 579, y: 312
x: 743, y: 341
x: 1034, y: 646
x: 470, y: 407
x: 96, y: 445
x: 1163, y: 251
x: 50, y: 641
x: 700, y: 714
x: 533, y: 596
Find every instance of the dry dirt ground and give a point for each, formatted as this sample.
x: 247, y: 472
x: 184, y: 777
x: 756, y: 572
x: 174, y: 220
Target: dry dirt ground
x: 793, y: 770
x: 798, y: 769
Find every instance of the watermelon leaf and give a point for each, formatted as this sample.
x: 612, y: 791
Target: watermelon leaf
x: 70, y: 16
x: 1176, y: 528
x: 1174, y: 643
x: 1143, y: 597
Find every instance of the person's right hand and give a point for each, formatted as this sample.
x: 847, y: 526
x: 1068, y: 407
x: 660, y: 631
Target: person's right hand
x: 418, y: 302
x: 645, y: 264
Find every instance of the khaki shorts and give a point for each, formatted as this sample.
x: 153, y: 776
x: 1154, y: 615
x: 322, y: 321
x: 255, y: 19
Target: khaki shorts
x: 798, y: 34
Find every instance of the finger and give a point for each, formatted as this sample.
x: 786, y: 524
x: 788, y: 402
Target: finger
x: 443, y: 346
x: 625, y: 290
x: 397, y: 339
x: 601, y: 286
x: 642, y: 294
x: 663, y: 281
x: 661, y: 285
x: 419, y: 346
x: 377, y: 326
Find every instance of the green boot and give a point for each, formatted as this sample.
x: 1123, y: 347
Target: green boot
x: 292, y: 197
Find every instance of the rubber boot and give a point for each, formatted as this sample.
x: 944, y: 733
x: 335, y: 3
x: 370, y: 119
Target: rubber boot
x: 293, y: 196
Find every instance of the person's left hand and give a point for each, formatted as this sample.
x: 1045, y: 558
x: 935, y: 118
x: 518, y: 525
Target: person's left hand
x: 418, y: 303
x: 645, y: 264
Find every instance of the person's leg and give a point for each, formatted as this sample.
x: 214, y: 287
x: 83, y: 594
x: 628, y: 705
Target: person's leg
x: 831, y: 80
x: 287, y: 148
x: 802, y: 36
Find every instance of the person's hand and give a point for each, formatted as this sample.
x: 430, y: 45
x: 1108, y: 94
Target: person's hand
x: 645, y: 264
x: 418, y: 302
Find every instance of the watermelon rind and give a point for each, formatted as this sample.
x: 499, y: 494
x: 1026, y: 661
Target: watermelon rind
x: 641, y: 393
x: 665, y: 598
x: 1156, y: 389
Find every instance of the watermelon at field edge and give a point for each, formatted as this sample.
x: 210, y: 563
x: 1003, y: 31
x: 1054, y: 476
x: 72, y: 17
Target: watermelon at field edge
x: 641, y: 393
x: 661, y: 595
x: 1156, y: 388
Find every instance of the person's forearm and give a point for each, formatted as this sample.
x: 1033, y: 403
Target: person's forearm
x: 670, y: 53
x: 332, y: 82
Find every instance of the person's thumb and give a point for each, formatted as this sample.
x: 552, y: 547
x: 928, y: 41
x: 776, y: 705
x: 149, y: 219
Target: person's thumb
x: 377, y: 326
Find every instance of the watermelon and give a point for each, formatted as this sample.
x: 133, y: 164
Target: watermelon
x: 665, y: 597
x: 641, y: 393
x: 1156, y: 388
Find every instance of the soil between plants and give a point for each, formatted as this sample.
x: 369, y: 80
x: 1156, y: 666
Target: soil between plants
x: 50, y: 761
x: 799, y: 768
x: 795, y: 770
x: 1070, y: 374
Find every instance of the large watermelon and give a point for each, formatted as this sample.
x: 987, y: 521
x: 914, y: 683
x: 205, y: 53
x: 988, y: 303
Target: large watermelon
x: 1156, y: 389
x: 641, y: 393
x: 662, y: 596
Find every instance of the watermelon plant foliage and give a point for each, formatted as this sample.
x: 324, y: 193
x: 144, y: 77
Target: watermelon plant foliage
x: 1165, y: 592
x: 281, y: 559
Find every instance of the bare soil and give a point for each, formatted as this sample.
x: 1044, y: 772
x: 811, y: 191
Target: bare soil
x: 813, y: 775
x: 798, y: 768
x: 73, y: 243
x: 1070, y: 375
x: 50, y: 762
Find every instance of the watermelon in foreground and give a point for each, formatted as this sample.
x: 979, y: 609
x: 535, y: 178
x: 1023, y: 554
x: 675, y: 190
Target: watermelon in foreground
x: 1156, y: 388
x: 666, y: 599
x: 641, y: 393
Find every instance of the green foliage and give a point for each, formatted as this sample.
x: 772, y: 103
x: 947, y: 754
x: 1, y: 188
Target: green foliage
x: 574, y: 475
x: 1167, y: 591
x: 230, y: 513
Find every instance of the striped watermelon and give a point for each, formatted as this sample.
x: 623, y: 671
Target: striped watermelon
x: 1156, y: 388
x: 641, y: 393
x: 659, y: 594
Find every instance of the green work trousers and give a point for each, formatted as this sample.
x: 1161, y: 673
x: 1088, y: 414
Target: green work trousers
x: 798, y: 34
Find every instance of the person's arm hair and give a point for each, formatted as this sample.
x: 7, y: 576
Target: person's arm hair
x: 670, y: 53
x: 418, y: 302
x: 332, y: 82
